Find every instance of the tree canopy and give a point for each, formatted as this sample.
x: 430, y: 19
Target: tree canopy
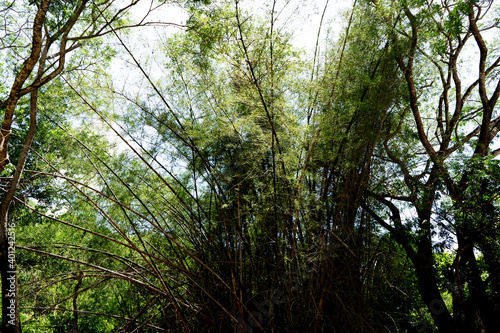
x: 191, y: 166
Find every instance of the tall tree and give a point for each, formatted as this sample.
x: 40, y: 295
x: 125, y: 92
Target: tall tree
x: 257, y: 184
x: 56, y: 28
x: 440, y: 139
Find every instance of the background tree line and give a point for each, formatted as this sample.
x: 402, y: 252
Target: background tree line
x: 250, y: 185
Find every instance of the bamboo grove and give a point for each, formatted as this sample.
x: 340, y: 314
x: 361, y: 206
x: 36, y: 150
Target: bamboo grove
x: 224, y: 179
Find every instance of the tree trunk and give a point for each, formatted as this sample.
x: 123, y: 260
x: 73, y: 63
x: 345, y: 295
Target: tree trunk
x: 477, y: 311
x: 431, y: 295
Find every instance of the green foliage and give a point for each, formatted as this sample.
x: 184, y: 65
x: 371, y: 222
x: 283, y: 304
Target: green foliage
x: 242, y: 176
